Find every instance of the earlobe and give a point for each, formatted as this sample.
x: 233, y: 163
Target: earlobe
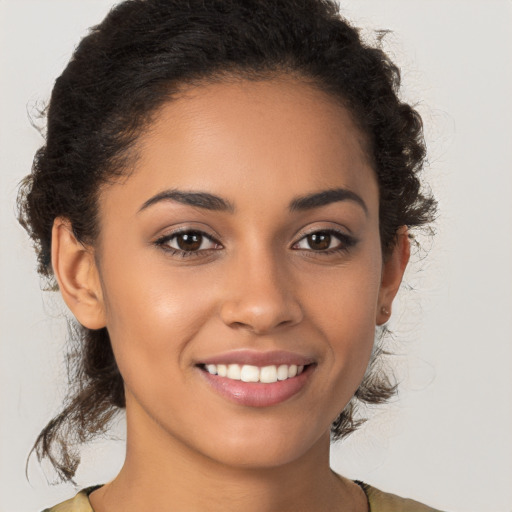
x: 392, y: 273
x: 77, y: 275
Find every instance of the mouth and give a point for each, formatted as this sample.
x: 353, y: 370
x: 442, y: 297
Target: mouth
x: 257, y: 379
x: 250, y: 373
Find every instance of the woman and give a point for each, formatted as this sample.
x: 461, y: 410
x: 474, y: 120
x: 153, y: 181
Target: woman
x: 224, y: 200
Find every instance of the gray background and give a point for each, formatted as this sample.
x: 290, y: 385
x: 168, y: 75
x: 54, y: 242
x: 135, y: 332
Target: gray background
x: 446, y: 439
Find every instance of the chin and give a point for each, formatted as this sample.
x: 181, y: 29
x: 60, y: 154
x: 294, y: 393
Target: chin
x: 264, y: 447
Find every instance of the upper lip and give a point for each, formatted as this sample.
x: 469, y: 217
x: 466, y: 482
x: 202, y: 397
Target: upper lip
x: 259, y: 358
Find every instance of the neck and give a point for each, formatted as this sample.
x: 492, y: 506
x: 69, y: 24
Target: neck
x: 162, y: 473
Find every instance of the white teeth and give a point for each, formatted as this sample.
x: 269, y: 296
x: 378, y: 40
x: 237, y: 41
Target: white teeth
x: 234, y: 372
x: 282, y: 372
x: 268, y: 374
x: 250, y: 373
x: 211, y: 368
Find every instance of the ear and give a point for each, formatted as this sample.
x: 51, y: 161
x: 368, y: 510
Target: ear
x: 392, y: 272
x: 76, y: 272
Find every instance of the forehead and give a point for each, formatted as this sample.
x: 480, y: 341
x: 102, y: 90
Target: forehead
x: 270, y: 140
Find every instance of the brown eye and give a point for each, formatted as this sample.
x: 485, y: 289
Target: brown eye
x: 319, y: 241
x: 190, y: 241
x: 325, y: 241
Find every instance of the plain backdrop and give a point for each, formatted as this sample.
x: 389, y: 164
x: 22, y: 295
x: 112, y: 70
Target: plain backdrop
x: 446, y: 440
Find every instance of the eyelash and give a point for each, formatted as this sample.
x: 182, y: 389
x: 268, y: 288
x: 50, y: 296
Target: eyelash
x: 164, y: 240
x: 346, y: 242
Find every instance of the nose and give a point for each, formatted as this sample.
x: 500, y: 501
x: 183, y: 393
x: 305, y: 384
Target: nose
x: 259, y: 296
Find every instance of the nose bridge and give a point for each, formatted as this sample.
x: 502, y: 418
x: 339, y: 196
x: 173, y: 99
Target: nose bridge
x: 259, y: 293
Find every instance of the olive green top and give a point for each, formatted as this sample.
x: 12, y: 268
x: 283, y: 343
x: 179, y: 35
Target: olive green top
x: 378, y: 502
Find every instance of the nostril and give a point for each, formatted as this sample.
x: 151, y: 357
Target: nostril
x: 260, y: 310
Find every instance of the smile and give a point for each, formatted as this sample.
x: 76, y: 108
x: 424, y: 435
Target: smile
x: 255, y: 379
x: 251, y: 373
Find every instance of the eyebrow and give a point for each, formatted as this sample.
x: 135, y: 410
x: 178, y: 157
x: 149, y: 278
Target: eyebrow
x: 198, y: 199
x: 216, y: 203
x: 326, y: 197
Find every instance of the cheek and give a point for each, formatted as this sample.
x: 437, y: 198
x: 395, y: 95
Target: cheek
x: 345, y: 301
x: 344, y: 306
x: 151, y: 317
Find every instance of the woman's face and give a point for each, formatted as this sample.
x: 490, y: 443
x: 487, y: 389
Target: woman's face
x: 244, y: 244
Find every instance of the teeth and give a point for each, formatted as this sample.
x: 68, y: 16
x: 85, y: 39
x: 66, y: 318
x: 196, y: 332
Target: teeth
x: 211, y: 368
x: 268, y: 374
x: 250, y: 373
x: 282, y: 372
x: 234, y: 372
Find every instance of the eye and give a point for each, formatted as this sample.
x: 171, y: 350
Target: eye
x: 184, y: 242
x: 325, y: 241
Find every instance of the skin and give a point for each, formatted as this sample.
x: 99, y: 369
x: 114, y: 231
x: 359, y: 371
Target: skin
x: 259, y: 285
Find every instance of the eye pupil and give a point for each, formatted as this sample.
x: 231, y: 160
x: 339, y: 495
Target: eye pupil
x: 189, y: 241
x: 319, y: 241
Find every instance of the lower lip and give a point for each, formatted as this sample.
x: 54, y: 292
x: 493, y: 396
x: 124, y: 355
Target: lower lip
x: 258, y: 394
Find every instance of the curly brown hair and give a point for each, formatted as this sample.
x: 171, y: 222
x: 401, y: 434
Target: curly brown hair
x: 118, y: 77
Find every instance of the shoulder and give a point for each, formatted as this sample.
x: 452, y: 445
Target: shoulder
x: 80, y: 503
x: 385, y: 502
x: 379, y: 502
